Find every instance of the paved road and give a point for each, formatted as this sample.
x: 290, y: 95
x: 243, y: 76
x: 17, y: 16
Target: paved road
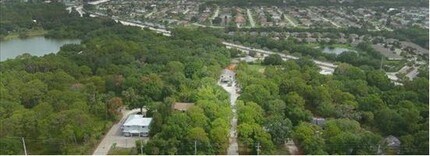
x: 211, y: 26
x: 186, y: 11
x: 233, y: 148
x: 251, y: 20
x: 287, y: 18
x: 216, y: 13
x: 319, y: 63
x: 325, y: 19
x: 98, y: 2
x: 150, y: 14
x: 158, y: 30
x: 413, y: 73
x: 80, y: 11
x: 114, y: 136
x: 409, y: 73
x: 330, y: 22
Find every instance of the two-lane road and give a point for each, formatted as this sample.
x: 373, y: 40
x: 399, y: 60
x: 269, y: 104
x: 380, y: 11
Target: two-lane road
x: 319, y: 63
x: 233, y: 148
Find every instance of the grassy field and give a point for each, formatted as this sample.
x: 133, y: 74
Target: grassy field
x: 122, y: 151
x: 30, y: 33
x: 313, y: 45
x: 257, y: 67
x: 343, y: 46
x: 395, y: 65
x: 281, y: 150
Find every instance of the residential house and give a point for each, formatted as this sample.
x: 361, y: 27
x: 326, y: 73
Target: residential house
x: 136, y: 125
x: 240, y: 20
x: 390, y: 145
x: 180, y: 106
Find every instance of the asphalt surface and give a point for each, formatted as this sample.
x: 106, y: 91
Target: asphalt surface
x: 114, y: 136
x: 233, y: 148
x: 319, y: 63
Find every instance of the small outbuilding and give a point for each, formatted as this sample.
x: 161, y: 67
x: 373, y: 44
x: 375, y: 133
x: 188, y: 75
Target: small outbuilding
x: 390, y: 145
x: 318, y: 121
x: 180, y: 106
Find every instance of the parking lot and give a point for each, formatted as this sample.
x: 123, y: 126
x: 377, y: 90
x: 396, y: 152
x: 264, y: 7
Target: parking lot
x: 114, y: 137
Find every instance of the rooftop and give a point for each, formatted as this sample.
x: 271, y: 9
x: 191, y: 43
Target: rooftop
x: 137, y: 120
x: 182, y: 106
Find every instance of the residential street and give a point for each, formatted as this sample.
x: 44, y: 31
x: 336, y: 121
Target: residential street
x: 251, y: 20
x: 289, y: 20
x: 233, y: 148
x: 319, y: 63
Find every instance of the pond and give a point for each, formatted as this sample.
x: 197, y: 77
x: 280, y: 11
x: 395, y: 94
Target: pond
x: 37, y: 46
x: 335, y: 50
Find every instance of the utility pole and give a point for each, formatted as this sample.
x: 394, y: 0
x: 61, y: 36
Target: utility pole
x: 141, y: 147
x: 106, y: 111
x: 258, y: 148
x: 195, y: 147
x: 23, y: 144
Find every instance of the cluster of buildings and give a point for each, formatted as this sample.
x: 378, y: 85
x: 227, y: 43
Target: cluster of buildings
x: 308, y: 37
x: 392, y: 49
x: 186, y: 12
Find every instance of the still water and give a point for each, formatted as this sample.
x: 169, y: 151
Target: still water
x: 37, y: 46
x: 336, y: 50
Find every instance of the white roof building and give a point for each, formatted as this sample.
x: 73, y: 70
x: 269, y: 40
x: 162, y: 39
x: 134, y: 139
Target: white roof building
x: 227, y: 76
x: 136, y: 125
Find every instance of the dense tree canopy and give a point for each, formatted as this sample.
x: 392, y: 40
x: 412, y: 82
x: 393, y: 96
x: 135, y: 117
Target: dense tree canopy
x: 360, y: 107
x: 63, y: 103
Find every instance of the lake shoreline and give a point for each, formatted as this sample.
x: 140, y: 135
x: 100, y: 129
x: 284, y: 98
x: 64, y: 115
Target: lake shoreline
x: 35, y: 46
x: 29, y: 34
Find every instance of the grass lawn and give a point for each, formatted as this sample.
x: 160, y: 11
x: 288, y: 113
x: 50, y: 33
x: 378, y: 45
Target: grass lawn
x: 257, y: 67
x: 347, y: 46
x: 395, y: 65
x: 122, y: 151
x: 281, y: 150
x: 243, y: 150
x: 312, y: 45
x: 30, y: 33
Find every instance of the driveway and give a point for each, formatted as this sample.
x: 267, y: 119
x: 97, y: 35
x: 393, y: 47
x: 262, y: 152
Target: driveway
x: 233, y: 148
x: 292, y: 148
x: 114, y: 136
